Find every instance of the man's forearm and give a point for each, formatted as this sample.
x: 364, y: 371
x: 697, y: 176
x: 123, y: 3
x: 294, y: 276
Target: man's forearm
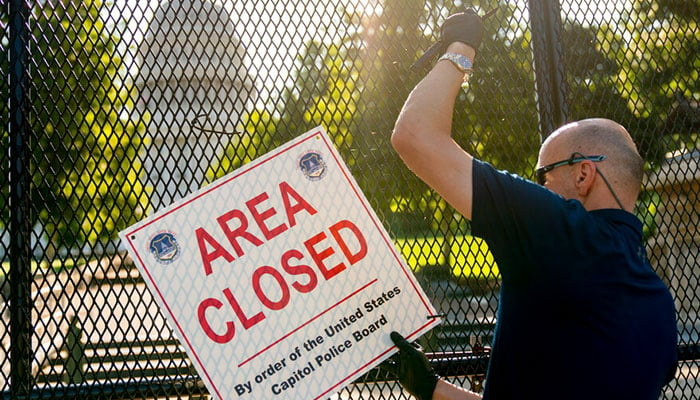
x: 430, y: 105
x: 422, y: 135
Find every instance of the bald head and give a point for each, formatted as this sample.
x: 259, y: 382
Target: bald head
x: 623, y: 165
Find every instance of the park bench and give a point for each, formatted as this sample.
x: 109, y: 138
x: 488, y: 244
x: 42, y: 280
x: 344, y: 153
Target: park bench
x: 136, y: 355
x: 126, y: 358
x: 121, y: 361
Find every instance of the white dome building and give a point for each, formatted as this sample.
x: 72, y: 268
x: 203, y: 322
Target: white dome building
x: 194, y: 87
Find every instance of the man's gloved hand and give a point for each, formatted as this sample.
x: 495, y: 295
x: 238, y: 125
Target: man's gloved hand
x: 412, y: 368
x: 466, y: 27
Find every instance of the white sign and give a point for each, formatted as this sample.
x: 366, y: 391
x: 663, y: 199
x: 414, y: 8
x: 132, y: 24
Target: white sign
x: 279, y: 278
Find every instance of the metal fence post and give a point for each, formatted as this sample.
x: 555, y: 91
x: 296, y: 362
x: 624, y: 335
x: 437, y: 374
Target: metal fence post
x: 20, y: 223
x: 550, y: 83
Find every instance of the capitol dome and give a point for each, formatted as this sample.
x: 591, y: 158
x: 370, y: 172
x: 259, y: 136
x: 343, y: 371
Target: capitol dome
x: 194, y: 88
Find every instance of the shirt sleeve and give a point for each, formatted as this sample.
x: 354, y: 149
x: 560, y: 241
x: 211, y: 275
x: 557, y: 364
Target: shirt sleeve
x: 525, y: 225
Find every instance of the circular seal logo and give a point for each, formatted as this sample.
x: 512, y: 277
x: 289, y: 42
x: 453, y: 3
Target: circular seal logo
x: 312, y: 165
x: 164, y: 247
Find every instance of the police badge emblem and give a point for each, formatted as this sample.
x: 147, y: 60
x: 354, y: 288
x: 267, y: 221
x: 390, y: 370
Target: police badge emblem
x: 164, y: 247
x: 312, y: 165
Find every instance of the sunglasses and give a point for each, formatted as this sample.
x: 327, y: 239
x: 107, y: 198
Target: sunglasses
x: 575, y: 158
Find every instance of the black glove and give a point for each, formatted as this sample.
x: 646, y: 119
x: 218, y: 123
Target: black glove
x: 465, y: 27
x: 412, y: 368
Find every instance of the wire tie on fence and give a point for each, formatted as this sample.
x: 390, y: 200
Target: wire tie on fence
x: 437, y: 316
x: 491, y: 12
x: 196, y: 123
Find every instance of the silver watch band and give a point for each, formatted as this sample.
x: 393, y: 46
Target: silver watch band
x: 461, y: 62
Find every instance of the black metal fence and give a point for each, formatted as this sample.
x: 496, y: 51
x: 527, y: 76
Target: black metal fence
x: 113, y: 109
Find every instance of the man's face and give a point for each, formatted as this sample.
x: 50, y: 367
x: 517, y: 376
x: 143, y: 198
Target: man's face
x: 561, y: 179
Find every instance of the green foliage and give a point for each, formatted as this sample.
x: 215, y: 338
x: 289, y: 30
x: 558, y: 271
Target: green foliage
x: 634, y: 72
x: 337, y: 105
x: 646, y: 212
x: 356, y: 86
x: 468, y: 256
x: 325, y: 92
x: 85, y: 166
x: 658, y: 55
x: 494, y: 113
x: 423, y: 211
x: 259, y: 127
x: 641, y: 71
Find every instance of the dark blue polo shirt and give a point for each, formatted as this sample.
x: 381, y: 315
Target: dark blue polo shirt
x: 581, y: 312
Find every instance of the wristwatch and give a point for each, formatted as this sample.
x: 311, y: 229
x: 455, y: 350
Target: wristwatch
x: 460, y: 62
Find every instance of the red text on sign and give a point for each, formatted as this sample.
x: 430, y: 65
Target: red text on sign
x: 342, y: 241
x: 235, y: 225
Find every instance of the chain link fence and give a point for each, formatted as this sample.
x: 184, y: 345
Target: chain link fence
x: 112, y: 110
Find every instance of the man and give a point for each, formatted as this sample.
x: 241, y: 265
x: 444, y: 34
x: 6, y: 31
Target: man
x: 581, y: 312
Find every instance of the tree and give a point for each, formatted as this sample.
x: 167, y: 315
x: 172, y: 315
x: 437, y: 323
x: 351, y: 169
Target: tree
x: 259, y: 127
x: 388, y: 43
x: 356, y: 86
x: 493, y: 114
x: 85, y: 166
x: 656, y: 47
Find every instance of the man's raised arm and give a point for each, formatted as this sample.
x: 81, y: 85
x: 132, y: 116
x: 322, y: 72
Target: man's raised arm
x: 422, y: 134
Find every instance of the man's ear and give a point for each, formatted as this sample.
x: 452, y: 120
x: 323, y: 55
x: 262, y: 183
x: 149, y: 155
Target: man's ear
x: 585, y: 175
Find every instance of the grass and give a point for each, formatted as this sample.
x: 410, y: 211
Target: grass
x: 57, y: 265
x: 469, y: 257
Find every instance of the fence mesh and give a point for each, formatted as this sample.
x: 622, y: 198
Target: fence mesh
x: 112, y: 110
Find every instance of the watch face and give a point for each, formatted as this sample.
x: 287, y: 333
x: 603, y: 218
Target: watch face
x: 461, y: 62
